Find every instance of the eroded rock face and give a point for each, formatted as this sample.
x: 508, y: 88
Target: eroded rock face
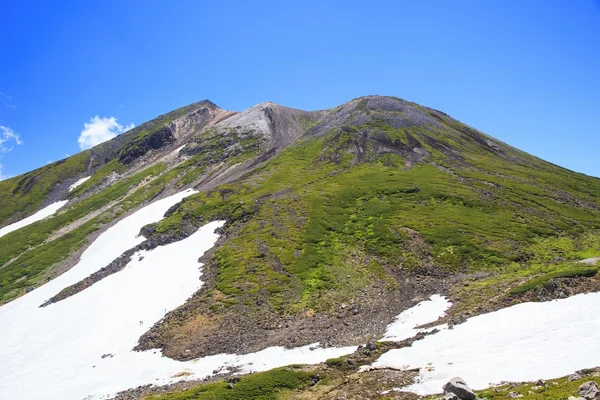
x: 157, y: 140
x: 589, y: 391
x: 460, y: 388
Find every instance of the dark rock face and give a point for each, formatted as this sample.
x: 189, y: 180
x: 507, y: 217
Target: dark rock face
x: 589, y: 391
x: 458, y: 387
x: 155, y: 141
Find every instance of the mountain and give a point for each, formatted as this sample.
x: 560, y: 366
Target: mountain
x: 336, y: 221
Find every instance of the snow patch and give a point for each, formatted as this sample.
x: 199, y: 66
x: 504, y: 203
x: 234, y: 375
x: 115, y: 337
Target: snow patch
x: 404, y: 326
x: 78, y: 183
x: 524, y: 342
x: 38, y: 216
x: 81, y: 347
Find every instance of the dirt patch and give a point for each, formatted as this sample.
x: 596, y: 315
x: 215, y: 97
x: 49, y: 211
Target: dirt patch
x: 194, y: 330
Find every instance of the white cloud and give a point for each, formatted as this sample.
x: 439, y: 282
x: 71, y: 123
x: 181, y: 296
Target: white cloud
x: 8, y: 136
x: 99, y: 130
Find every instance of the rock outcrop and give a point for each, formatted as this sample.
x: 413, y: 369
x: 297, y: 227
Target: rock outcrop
x: 457, y: 388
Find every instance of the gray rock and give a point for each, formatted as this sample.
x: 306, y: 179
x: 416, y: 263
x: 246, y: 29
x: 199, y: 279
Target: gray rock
x: 459, y: 387
x: 540, y: 382
x: 574, y: 377
x: 514, y: 395
x: 589, y: 391
x: 449, y: 396
x: 575, y: 398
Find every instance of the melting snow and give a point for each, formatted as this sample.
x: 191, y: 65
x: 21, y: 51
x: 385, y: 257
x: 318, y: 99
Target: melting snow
x: 57, y: 351
x: 38, y: 216
x: 521, y: 343
x: 78, y: 183
x: 424, y: 312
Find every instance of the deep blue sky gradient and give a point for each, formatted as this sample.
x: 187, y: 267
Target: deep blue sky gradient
x: 524, y: 71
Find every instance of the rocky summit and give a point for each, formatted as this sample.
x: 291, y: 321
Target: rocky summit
x: 336, y: 221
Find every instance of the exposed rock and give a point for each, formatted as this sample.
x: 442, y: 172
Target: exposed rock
x: 459, y: 387
x: 514, y: 395
x: 574, y: 377
x: 540, y: 382
x: 449, y: 396
x: 589, y: 390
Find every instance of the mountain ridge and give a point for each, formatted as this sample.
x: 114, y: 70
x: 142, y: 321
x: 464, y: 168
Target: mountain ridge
x: 332, y: 216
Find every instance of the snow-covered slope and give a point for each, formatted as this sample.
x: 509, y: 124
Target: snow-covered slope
x: 38, y: 216
x: 81, y: 347
x: 78, y: 183
x: 521, y: 343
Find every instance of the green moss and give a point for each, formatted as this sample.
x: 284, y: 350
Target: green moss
x: 103, y: 172
x: 24, y: 194
x: 35, y: 255
x: 555, y: 389
x: 335, y: 362
x: 569, y: 271
x: 269, y: 385
x: 29, y: 268
x: 319, y: 225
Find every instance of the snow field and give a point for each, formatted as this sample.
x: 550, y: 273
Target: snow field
x: 38, y: 216
x: 57, y: 351
x: 78, y: 183
x: 524, y: 342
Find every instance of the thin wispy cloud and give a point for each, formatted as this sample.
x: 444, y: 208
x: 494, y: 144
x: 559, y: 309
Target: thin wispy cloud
x: 99, y: 130
x: 8, y: 138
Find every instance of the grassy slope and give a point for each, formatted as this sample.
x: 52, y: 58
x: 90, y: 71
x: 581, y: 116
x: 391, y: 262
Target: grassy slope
x: 34, y: 255
x: 314, y: 205
x: 271, y: 385
x: 23, y: 195
x: 555, y: 389
x: 26, y: 256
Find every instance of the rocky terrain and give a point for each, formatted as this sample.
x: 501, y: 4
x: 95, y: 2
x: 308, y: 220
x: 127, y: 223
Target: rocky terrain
x: 336, y: 222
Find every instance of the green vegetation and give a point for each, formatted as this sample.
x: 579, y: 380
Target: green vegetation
x: 569, y: 271
x: 269, y: 385
x: 555, y: 389
x: 335, y: 362
x: 34, y: 255
x: 98, y: 176
x: 22, y: 195
x: 29, y: 269
x: 323, y: 215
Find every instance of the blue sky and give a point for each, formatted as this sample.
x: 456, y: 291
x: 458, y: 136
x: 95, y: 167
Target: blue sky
x: 526, y: 72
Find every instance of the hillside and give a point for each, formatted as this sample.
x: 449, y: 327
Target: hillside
x: 336, y: 222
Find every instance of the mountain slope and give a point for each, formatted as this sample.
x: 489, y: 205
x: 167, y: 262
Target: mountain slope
x: 337, y: 220
x: 380, y: 202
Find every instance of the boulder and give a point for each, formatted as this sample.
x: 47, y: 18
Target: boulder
x: 574, y: 377
x: 589, y: 391
x: 449, y: 396
x: 459, y: 387
x: 514, y: 395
